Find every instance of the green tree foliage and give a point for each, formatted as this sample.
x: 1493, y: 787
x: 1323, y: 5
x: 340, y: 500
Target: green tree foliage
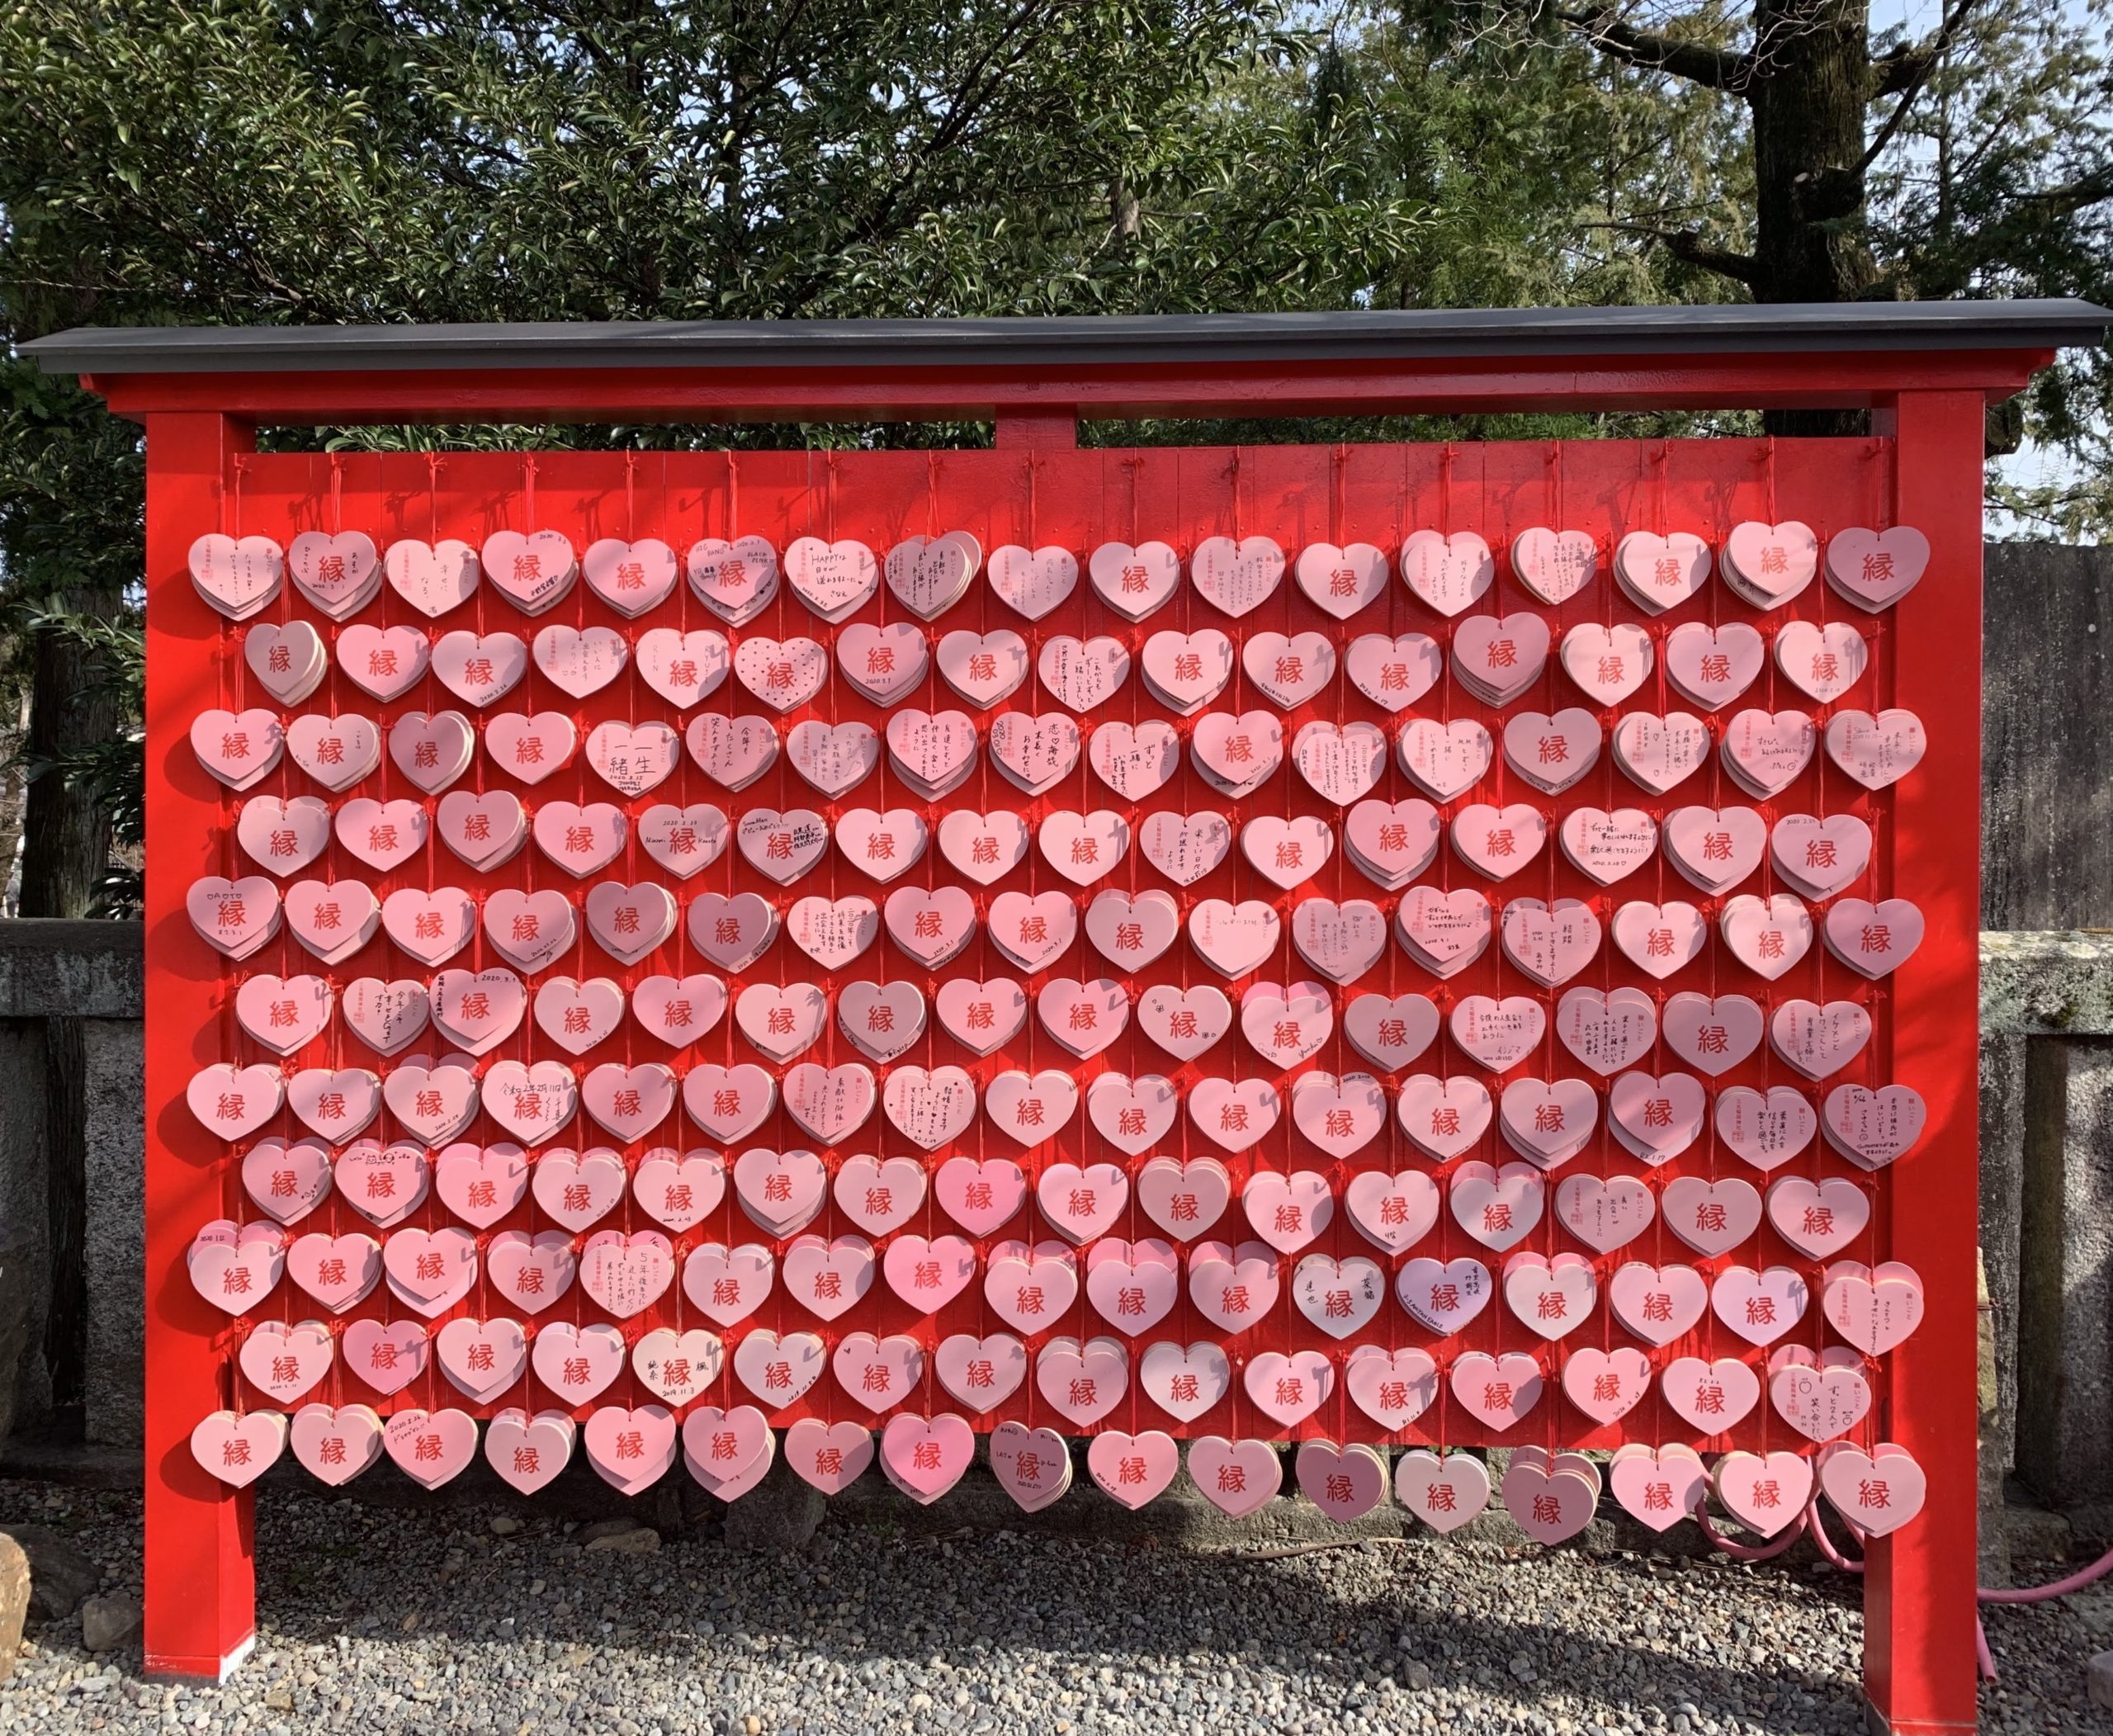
x: 258, y: 161
x: 2001, y: 184
x: 261, y: 161
x: 1975, y: 159
x: 361, y: 160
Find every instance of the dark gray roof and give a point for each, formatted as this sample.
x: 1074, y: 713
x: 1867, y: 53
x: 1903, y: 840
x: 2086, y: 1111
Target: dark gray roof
x: 1117, y: 340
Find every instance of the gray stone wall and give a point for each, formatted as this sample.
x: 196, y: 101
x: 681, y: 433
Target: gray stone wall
x: 2047, y: 1206
x: 2047, y: 738
x: 114, y: 1253
x: 74, y: 1216
x: 24, y: 1216
x: 2047, y: 1013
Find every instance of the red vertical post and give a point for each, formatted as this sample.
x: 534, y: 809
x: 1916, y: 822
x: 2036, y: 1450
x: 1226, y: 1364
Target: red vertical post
x: 1919, y: 1591
x: 201, y: 1588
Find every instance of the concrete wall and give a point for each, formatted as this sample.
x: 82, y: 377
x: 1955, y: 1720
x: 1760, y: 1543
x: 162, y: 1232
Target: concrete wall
x: 2047, y: 1206
x: 2047, y: 738
x: 2047, y: 1013
x: 25, y: 1250
x: 72, y: 1063
x: 114, y: 1253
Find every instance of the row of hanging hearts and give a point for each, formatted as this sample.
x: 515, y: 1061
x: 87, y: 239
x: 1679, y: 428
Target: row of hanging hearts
x: 1765, y: 564
x: 1823, y: 1395
x: 1444, y: 932
x: 782, y: 1193
x: 1608, y: 1030
x: 1494, y: 659
x: 728, y: 1452
x: 1655, y: 1117
x: 1545, y: 1121
x: 1713, y: 848
x: 933, y: 754
x: 235, y: 1267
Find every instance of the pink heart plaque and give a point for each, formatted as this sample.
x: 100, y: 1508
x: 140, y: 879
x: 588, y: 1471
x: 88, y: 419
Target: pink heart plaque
x: 1875, y: 569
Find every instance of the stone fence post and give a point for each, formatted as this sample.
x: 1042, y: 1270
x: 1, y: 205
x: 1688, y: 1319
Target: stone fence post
x: 72, y: 1158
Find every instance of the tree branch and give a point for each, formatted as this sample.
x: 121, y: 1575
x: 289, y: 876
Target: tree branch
x: 963, y: 99
x: 2073, y: 195
x: 1688, y: 246
x: 1720, y: 70
x: 1898, y: 68
x: 961, y: 107
x: 1912, y: 87
x: 1953, y: 270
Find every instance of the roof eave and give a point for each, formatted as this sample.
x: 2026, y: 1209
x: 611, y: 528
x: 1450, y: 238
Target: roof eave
x: 1360, y: 338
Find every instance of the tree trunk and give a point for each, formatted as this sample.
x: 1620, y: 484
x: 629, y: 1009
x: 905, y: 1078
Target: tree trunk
x: 1809, y: 100
x: 65, y: 835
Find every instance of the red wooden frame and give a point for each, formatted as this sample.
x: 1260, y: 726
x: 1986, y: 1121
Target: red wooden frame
x: 1919, y: 1639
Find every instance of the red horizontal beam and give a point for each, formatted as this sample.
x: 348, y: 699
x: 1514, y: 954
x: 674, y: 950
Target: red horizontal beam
x: 1815, y: 380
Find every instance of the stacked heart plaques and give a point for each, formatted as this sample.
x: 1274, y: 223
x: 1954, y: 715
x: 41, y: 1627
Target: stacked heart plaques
x: 703, y: 1000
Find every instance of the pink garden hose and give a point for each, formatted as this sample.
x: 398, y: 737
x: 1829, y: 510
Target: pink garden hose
x: 1746, y: 1551
x: 1808, y: 1521
x: 2076, y: 1581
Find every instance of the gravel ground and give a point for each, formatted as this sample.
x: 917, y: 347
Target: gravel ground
x: 426, y: 1619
